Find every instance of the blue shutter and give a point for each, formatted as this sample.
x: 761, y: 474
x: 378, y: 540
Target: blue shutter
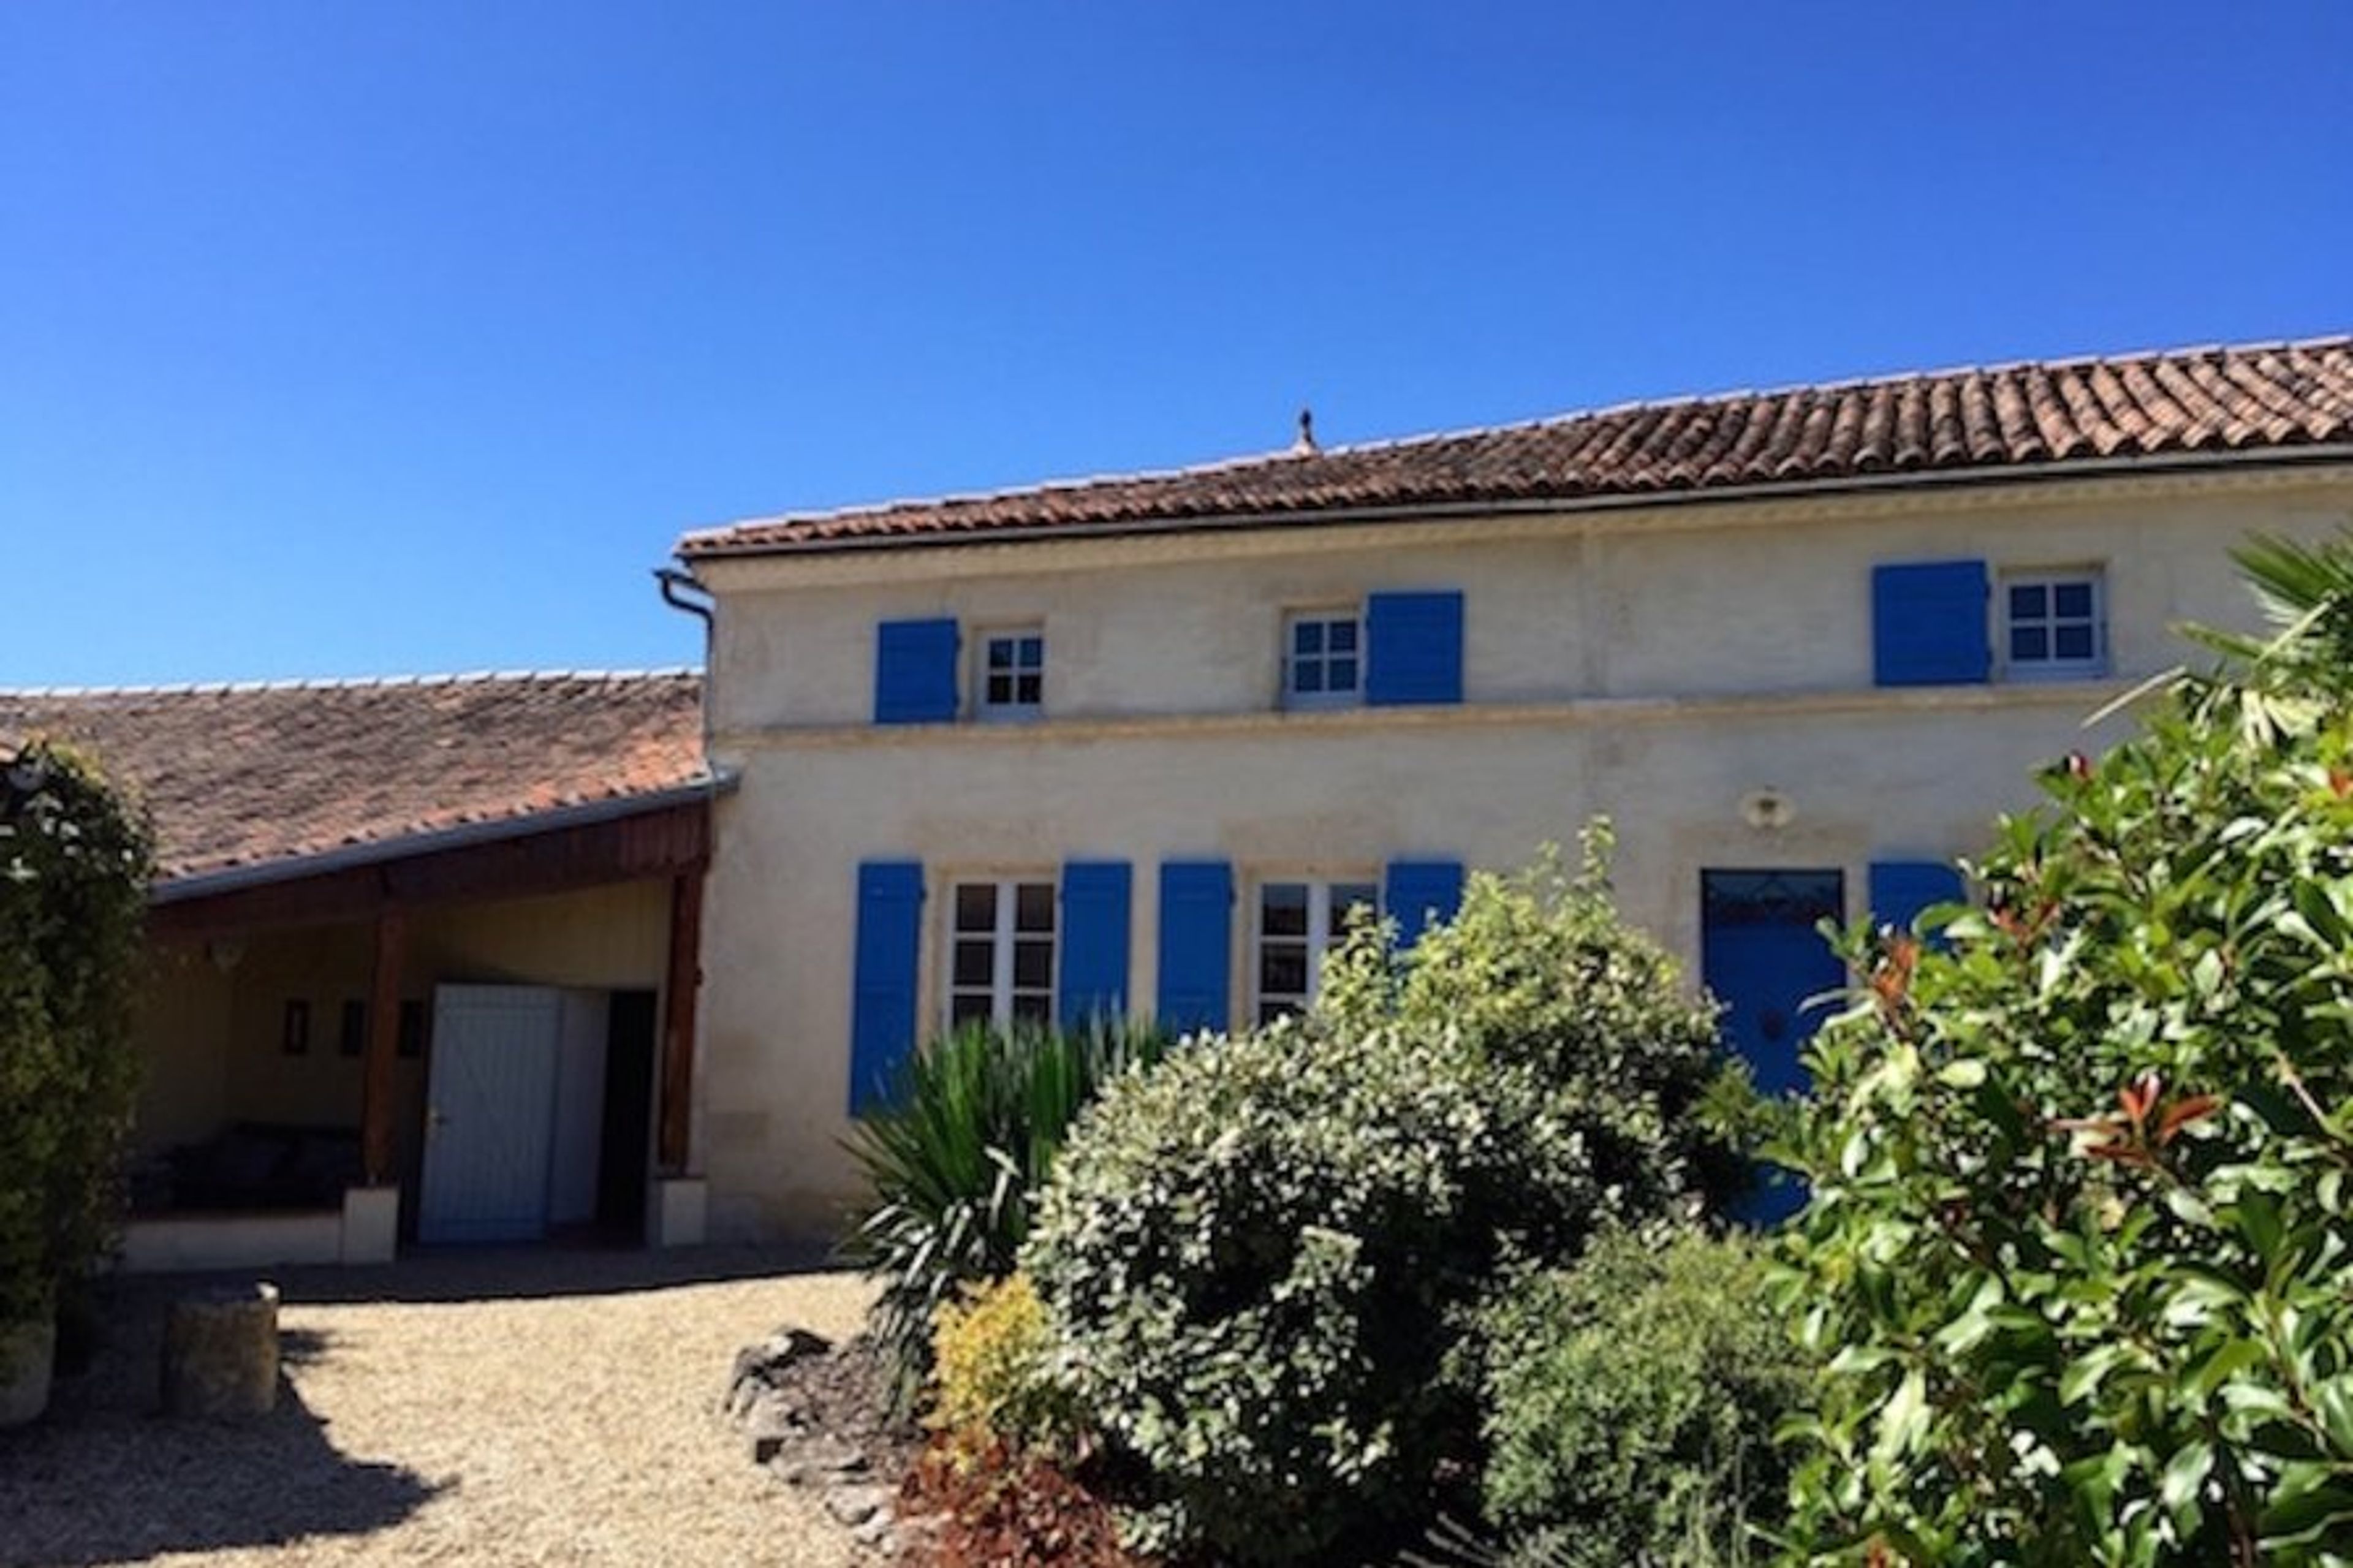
x: 1094, y: 941
x: 1196, y: 924
x: 1414, y: 647
x: 1419, y: 893
x: 915, y: 672
x: 1900, y: 890
x: 882, y: 1002
x: 1928, y: 624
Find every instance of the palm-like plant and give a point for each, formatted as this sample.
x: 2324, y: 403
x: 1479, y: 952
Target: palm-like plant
x: 954, y: 1158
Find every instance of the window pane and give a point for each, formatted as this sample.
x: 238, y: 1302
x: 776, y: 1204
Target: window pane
x: 1033, y: 964
x: 1352, y: 896
x: 1000, y: 653
x: 1282, y: 908
x: 1033, y: 907
x: 976, y: 906
x: 2029, y: 645
x: 1272, y: 1008
x: 966, y: 1007
x: 1307, y: 637
x: 1282, y: 969
x: 2072, y: 599
x: 2027, y: 602
x: 1000, y: 689
x: 1343, y: 637
x: 973, y: 964
x: 1307, y: 675
x: 1342, y: 674
x: 1026, y: 691
x: 2073, y: 642
x: 1033, y: 653
x: 1039, y: 1009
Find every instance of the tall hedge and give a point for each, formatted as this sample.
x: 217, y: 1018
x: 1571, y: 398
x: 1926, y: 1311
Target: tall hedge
x: 75, y: 860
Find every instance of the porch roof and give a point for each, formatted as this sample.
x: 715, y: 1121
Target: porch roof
x: 251, y: 784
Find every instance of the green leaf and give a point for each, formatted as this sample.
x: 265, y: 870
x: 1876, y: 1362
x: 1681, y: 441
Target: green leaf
x: 2184, y: 1474
x: 1904, y: 1417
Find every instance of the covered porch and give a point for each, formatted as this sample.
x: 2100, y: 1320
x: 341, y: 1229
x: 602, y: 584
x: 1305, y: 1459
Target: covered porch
x: 424, y: 961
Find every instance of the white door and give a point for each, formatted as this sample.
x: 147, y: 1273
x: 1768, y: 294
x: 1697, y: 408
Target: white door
x: 489, y: 1113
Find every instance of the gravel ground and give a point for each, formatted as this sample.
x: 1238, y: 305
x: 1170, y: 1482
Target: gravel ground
x: 543, y: 1408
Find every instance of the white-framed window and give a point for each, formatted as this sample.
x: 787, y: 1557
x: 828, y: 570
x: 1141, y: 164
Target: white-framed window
x: 1324, y: 658
x: 2053, y: 625
x: 1011, y: 683
x: 1001, y: 949
x: 1293, y: 924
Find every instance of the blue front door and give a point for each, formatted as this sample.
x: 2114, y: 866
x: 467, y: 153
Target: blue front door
x: 1762, y: 957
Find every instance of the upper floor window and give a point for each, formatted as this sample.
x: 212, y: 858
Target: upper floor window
x: 1324, y: 658
x: 1001, y: 952
x: 1298, y: 922
x: 2053, y: 626
x: 1012, y: 674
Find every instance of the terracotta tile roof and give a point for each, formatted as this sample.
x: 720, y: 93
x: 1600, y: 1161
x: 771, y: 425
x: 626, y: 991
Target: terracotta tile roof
x: 249, y: 776
x: 2174, y: 404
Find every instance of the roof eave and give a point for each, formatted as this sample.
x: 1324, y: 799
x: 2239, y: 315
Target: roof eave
x: 714, y: 547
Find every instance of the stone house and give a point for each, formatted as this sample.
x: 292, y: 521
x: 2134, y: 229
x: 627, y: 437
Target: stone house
x: 1138, y: 743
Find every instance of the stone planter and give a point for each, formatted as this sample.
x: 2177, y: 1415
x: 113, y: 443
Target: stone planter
x: 27, y: 1353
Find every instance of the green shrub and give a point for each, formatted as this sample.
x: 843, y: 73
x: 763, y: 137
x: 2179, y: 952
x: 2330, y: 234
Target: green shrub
x: 75, y: 859
x: 1589, y: 1046
x: 2082, y: 1216
x: 954, y: 1159
x: 1632, y: 1399
x: 994, y: 1384
x: 1265, y: 1258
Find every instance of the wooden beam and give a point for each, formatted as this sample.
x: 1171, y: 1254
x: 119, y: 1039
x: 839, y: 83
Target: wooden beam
x: 379, y: 1084
x: 679, y: 993
x: 653, y: 844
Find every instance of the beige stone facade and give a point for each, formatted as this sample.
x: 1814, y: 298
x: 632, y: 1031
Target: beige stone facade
x: 1664, y: 664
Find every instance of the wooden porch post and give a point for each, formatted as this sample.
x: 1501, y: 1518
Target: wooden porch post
x: 378, y: 1086
x: 678, y: 991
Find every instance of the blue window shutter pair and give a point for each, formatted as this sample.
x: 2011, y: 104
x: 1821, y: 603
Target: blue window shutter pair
x: 915, y: 672
x: 1900, y: 890
x: 884, y: 1004
x: 1928, y: 624
x: 1420, y: 893
x: 883, y: 998
x: 1096, y: 898
x: 1196, y: 936
x: 1413, y: 648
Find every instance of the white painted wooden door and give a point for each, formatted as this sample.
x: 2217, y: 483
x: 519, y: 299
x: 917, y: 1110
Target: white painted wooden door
x: 489, y: 1113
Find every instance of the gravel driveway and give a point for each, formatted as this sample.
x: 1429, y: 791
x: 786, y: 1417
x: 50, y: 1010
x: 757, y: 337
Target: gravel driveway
x: 542, y: 1407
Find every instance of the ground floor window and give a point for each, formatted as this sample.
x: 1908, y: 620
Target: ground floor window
x: 1296, y: 922
x: 1001, y: 952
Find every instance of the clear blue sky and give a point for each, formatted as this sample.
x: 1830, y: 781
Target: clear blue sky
x: 346, y: 339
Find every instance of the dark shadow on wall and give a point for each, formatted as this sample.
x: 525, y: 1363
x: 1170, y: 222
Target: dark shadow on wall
x: 104, y: 1478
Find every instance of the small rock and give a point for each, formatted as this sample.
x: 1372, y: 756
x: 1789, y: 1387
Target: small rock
x: 875, y: 1534
x: 771, y: 1425
x: 856, y: 1505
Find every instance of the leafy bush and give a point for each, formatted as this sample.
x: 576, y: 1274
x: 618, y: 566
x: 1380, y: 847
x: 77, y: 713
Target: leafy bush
x: 75, y: 859
x: 2082, y: 1224
x: 1632, y: 1399
x: 995, y: 1380
x: 1581, y: 1024
x: 1264, y: 1258
x: 952, y: 1160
